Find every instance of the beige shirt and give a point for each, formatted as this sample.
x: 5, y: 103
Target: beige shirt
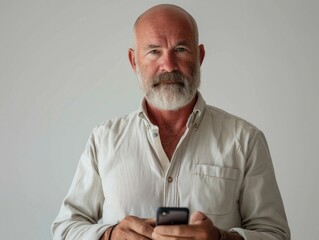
x: 221, y: 167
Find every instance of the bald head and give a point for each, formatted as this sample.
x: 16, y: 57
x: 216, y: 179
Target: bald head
x: 168, y: 13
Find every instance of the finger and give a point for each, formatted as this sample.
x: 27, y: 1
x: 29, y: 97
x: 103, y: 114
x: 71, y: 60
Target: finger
x: 133, y: 225
x: 141, y: 227
x: 128, y: 234
x: 197, y: 217
x: 156, y: 236
x: 185, y: 231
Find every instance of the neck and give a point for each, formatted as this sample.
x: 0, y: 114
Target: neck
x: 174, y: 119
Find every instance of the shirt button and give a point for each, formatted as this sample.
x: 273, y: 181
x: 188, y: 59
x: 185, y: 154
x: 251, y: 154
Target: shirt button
x: 170, y: 179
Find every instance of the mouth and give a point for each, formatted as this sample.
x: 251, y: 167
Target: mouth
x: 168, y: 83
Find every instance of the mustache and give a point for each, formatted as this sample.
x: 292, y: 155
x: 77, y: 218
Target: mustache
x: 169, y: 77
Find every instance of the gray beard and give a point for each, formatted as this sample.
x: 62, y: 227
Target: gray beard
x: 173, y: 95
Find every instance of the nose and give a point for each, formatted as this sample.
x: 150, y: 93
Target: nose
x: 169, y: 62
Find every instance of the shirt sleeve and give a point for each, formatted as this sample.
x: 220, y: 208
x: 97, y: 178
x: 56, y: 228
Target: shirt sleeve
x: 81, y: 209
x: 261, y: 206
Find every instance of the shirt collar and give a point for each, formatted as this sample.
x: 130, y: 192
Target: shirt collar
x: 198, y: 111
x: 142, y: 111
x: 194, y: 119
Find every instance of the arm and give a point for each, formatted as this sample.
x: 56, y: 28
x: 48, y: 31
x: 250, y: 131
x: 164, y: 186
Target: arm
x: 82, y: 207
x: 261, y: 206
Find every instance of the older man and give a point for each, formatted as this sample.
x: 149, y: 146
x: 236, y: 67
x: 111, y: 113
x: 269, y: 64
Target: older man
x: 174, y: 151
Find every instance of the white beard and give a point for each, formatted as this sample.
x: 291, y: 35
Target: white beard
x: 170, y: 96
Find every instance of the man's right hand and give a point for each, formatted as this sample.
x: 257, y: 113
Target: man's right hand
x: 132, y: 227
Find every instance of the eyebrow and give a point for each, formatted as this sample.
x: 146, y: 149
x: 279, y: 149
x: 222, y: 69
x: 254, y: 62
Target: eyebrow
x: 182, y: 42
x: 151, y: 46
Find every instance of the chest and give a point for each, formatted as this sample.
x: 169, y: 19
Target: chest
x: 170, y: 139
x: 137, y: 178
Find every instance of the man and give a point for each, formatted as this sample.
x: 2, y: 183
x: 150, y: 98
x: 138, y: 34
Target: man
x: 174, y: 151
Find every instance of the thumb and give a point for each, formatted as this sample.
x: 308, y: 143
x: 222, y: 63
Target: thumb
x: 197, y: 217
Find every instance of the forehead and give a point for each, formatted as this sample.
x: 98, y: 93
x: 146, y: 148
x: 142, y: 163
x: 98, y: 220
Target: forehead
x: 165, y: 26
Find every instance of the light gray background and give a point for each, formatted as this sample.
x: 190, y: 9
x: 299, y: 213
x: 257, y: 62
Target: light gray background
x: 64, y: 69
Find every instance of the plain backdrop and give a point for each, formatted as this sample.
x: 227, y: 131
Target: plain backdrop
x: 64, y: 69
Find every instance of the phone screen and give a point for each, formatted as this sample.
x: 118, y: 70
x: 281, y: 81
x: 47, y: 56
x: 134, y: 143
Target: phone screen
x: 172, y: 216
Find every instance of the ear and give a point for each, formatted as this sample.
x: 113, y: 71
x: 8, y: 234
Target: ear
x: 201, y: 49
x: 131, y: 57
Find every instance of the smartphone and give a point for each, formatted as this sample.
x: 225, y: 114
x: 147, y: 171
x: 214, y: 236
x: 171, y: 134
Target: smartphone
x: 172, y: 216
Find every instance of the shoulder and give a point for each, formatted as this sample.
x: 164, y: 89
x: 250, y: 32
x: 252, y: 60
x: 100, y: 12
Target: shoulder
x: 229, y: 128
x: 116, y: 125
x: 229, y: 122
x: 220, y: 113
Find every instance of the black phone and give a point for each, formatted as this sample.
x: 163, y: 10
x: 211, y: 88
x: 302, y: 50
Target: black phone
x: 172, y: 216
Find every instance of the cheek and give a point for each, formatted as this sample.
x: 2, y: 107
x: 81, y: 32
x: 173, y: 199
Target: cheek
x: 149, y: 65
x: 148, y: 71
x: 188, y: 68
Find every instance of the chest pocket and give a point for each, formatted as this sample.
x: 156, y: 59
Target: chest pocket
x: 213, y: 189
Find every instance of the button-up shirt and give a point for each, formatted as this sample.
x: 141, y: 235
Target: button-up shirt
x: 221, y: 167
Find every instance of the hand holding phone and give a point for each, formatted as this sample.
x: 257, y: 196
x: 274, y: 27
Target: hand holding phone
x: 172, y: 216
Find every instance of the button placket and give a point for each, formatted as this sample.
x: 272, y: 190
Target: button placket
x: 154, y: 138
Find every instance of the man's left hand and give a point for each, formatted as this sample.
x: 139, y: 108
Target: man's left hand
x: 200, y: 228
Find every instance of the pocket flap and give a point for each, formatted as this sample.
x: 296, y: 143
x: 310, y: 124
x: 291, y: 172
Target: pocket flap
x: 214, y: 171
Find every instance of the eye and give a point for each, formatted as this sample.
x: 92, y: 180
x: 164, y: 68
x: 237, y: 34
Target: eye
x: 154, y: 51
x: 180, y: 49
